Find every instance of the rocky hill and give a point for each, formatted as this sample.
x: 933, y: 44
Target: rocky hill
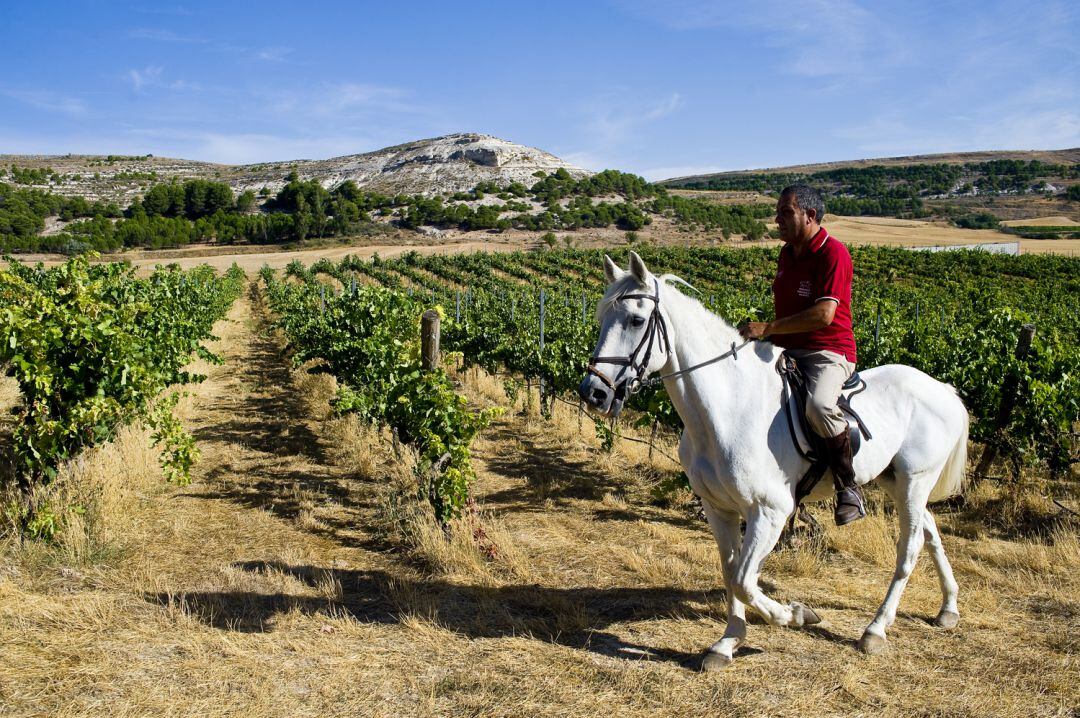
x: 451, y: 163
x: 444, y: 164
x: 1066, y: 157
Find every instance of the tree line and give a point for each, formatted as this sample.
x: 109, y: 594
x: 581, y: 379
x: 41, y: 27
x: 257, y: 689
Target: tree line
x: 174, y: 214
x: 894, y: 182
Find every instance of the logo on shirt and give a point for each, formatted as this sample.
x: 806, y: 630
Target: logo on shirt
x: 805, y: 288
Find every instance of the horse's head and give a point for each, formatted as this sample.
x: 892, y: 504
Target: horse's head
x: 633, y: 337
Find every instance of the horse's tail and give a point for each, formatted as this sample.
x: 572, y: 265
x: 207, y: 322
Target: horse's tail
x: 951, y: 480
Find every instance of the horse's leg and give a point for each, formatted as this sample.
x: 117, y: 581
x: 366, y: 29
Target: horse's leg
x: 762, y: 532
x: 910, y: 494
x: 725, y: 528
x: 949, y: 615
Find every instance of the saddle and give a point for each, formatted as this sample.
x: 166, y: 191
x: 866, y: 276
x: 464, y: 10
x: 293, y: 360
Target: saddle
x: 809, y: 445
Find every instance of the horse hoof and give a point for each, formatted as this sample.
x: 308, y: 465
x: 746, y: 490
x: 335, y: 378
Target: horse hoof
x: 947, y: 619
x: 716, y: 661
x: 871, y: 644
x: 804, y: 615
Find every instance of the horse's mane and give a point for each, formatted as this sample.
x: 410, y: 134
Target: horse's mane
x: 628, y: 283
x: 710, y: 332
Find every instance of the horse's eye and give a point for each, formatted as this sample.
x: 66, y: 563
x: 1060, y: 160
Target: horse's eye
x: 637, y: 321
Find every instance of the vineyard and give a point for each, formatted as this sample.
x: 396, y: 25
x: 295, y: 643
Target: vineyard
x: 529, y: 318
x: 365, y: 535
x: 92, y: 348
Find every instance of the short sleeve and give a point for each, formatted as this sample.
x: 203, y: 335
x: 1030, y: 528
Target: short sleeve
x: 835, y: 275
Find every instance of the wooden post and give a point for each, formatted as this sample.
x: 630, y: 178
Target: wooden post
x: 457, y: 304
x: 542, y: 383
x: 877, y: 332
x: 1009, y: 395
x: 322, y: 299
x: 429, y: 340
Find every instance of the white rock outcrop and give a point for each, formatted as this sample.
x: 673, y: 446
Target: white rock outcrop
x: 451, y: 163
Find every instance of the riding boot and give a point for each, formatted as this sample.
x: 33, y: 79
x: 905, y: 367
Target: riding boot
x: 849, y: 500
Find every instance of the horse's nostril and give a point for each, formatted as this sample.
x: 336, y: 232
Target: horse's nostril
x: 599, y: 395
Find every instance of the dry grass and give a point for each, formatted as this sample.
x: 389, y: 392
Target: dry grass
x: 1056, y: 221
x: 300, y: 576
x: 97, y: 500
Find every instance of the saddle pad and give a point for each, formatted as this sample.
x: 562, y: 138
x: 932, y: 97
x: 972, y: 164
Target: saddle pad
x: 806, y: 442
x: 800, y: 427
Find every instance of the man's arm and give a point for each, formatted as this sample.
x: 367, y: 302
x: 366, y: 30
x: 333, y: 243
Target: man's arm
x: 816, y: 317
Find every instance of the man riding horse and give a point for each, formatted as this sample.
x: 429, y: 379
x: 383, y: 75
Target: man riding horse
x: 812, y: 297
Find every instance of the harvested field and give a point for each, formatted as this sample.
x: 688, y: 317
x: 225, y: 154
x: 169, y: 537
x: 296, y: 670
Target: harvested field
x: 853, y: 230
x: 298, y: 576
x: 1058, y: 221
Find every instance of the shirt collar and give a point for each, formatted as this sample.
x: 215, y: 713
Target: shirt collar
x: 816, y: 243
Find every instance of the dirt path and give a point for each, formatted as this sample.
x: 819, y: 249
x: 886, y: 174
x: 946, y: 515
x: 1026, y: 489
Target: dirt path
x: 271, y: 587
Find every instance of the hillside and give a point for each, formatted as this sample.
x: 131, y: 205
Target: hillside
x: 1008, y: 185
x: 452, y: 163
x: 1068, y: 156
x: 463, y: 183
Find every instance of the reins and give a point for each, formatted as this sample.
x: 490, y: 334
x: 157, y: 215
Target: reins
x: 733, y: 352
x: 632, y: 385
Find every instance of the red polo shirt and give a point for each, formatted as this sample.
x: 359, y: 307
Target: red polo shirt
x: 823, y: 272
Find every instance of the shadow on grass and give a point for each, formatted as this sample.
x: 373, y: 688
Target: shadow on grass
x: 572, y: 617
x: 546, y: 473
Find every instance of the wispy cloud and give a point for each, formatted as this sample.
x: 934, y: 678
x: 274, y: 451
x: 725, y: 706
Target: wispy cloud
x: 159, y: 35
x: 654, y: 174
x: 272, y: 54
x: 611, y: 122
x: 178, y: 10
x: 1001, y: 128
x: 815, y: 38
x: 154, y: 76
x: 276, y: 53
x: 615, y: 118
x: 149, y: 75
x: 221, y: 147
x: 48, y: 101
x: 340, y: 101
x: 250, y: 147
x: 587, y: 160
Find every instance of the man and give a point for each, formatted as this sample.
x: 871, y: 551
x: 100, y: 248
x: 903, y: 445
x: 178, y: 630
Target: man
x: 812, y: 297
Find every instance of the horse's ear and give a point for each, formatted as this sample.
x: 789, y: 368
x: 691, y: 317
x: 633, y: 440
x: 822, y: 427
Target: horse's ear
x: 611, y: 270
x: 637, y: 268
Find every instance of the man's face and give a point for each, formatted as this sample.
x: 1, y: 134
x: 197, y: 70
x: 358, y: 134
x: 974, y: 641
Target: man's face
x: 792, y: 221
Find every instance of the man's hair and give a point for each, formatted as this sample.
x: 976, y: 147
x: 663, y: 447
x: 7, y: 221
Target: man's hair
x: 807, y: 198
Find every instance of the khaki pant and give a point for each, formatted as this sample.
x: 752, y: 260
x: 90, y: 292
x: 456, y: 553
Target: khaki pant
x: 825, y: 373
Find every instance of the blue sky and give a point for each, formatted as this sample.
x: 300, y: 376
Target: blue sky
x: 658, y: 88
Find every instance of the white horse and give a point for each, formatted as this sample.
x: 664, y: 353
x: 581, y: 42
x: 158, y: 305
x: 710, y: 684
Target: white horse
x: 738, y: 452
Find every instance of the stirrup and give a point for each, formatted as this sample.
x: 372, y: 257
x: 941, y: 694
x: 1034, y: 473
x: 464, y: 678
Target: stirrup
x: 849, y: 506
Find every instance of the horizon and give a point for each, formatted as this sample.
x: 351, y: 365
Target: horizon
x: 658, y: 179
x: 617, y: 84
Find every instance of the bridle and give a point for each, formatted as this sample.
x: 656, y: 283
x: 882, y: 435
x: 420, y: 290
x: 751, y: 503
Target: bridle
x: 631, y: 385
x: 626, y: 387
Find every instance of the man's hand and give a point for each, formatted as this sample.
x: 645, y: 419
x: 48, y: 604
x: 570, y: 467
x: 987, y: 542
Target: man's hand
x: 754, y: 330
